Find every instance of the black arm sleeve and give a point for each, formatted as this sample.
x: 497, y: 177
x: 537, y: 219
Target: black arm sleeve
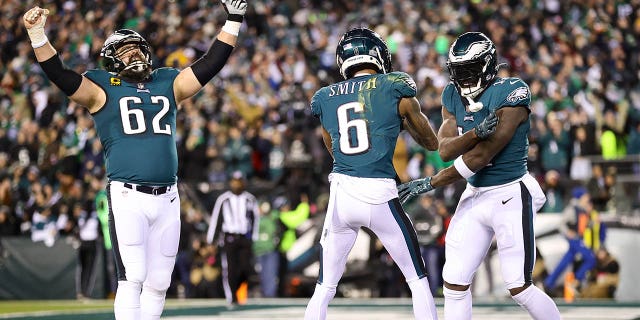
x: 66, y: 79
x: 211, y: 62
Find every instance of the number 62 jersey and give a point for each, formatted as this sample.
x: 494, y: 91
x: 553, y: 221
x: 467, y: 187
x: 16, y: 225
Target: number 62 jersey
x: 361, y: 115
x: 136, y: 127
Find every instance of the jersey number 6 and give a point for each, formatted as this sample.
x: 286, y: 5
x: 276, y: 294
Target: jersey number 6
x: 350, y: 144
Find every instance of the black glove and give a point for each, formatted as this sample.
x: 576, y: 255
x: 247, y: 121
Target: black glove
x: 235, y: 9
x: 488, y: 126
x: 413, y: 188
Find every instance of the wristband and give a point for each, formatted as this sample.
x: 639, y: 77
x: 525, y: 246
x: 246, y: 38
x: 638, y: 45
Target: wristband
x: 232, y: 27
x: 37, y: 36
x: 462, y: 168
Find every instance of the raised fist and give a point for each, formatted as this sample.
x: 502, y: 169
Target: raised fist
x: 235, y: 9
x: 35, y: 17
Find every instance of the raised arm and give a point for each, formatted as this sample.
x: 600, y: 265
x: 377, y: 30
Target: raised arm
x: 417, y: 123
x: 193, y: 78
x: 79, y: 89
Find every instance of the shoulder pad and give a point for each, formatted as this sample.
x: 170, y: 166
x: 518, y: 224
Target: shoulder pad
x: 402, y: 83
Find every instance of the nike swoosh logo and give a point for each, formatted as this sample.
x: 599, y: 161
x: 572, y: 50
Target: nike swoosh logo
x: 175, y: 198
x: 512, y: 82
x: 503, y: 201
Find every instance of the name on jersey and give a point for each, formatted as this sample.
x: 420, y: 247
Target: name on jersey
x: 351, y: 87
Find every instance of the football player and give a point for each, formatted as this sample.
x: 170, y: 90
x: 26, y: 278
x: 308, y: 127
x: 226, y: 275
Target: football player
x: 361, y: 118
x: 501, y: 197
x: 134, y: 109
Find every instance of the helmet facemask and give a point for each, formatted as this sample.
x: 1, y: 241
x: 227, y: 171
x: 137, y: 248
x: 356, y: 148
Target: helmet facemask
x: 127, y: 54
x: 472, y: 63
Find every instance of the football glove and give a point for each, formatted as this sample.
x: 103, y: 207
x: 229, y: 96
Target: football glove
x: 488, y: 126
x: 235, y: 9
x: 413, y: 188
x: 34, y: 21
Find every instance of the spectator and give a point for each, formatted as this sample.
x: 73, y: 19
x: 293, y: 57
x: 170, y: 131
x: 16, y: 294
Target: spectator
x: 266, y: 252
x: 8, y: 225
x: 604, y: 277
x: 291, y: 220
x: 555, y: 143
x: 597, y: 188
x: 554, y: 190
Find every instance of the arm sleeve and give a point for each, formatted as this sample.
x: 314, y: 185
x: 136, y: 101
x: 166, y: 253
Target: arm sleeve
x: 66, y: 79
x: 211, y: 62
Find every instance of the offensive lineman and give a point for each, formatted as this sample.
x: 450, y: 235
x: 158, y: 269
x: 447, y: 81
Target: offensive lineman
x: 501, y: 197
x: 134, y: 110
x: 361, y: 119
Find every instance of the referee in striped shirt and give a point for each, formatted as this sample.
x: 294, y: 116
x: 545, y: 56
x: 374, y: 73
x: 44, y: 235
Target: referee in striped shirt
x: 233, y: 227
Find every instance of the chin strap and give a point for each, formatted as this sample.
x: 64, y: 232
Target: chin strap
x: 474, y: 106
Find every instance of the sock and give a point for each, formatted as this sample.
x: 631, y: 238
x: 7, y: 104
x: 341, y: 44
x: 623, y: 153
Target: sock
x: 317, y: 307
x: 151, y: 303
x: 539, y: 305
x: 457, y: 304
x: 127, y: 303
x: 423, y: 305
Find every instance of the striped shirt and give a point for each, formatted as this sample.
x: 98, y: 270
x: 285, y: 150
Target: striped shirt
x: 235, y: 214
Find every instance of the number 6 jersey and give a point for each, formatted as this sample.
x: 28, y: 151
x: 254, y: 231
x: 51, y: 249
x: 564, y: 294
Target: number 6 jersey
x: 137, y: 126
x: 361, y: 115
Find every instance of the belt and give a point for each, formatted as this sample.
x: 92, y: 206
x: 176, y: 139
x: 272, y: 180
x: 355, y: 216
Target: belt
x: 147, y: 189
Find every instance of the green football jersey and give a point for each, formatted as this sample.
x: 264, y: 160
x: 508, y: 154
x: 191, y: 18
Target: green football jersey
x: 361, y: 115
x: 511, y: 162
x: 136, y: 126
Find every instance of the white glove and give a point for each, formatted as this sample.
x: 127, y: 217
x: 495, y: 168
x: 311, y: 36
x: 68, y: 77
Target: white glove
x: 235, y: 9
x: 34, y: 21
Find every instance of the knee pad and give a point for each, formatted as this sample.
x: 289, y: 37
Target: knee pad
x: 454, y: 294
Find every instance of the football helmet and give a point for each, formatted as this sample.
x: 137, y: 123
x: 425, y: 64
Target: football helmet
x: 362, y: 46
x: 472, y: 63
x: 137, y: 69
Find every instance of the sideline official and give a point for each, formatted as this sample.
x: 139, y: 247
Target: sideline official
x: 233, y: 228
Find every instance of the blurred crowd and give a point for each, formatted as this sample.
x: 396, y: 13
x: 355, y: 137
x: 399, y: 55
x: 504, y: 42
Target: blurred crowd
x: 578, y: 57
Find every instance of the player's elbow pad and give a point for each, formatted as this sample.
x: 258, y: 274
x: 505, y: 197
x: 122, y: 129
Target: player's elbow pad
x: 212, y: 62
x: 66, y: 79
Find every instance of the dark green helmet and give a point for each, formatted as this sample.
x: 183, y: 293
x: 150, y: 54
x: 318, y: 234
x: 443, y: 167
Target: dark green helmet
x: 362, y: 46
x: 472, y: 63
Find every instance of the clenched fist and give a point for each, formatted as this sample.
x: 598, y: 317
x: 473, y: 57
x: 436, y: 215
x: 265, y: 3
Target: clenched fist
x: 34, y: 20
x: 35, y: 17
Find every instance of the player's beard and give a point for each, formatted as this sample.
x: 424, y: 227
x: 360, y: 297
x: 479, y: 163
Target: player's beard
x: 137, y: 71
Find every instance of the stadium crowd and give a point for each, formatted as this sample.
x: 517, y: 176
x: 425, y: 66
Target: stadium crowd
x: 579, y: 58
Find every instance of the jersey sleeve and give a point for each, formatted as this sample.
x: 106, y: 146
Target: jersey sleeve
x: 448, y: 95
x: 101, y: 77
x: 316, y: 110
x: 516, y: 93
x: 403, y: 84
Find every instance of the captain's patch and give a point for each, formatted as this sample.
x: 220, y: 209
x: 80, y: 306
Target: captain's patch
x: 518, y: 94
